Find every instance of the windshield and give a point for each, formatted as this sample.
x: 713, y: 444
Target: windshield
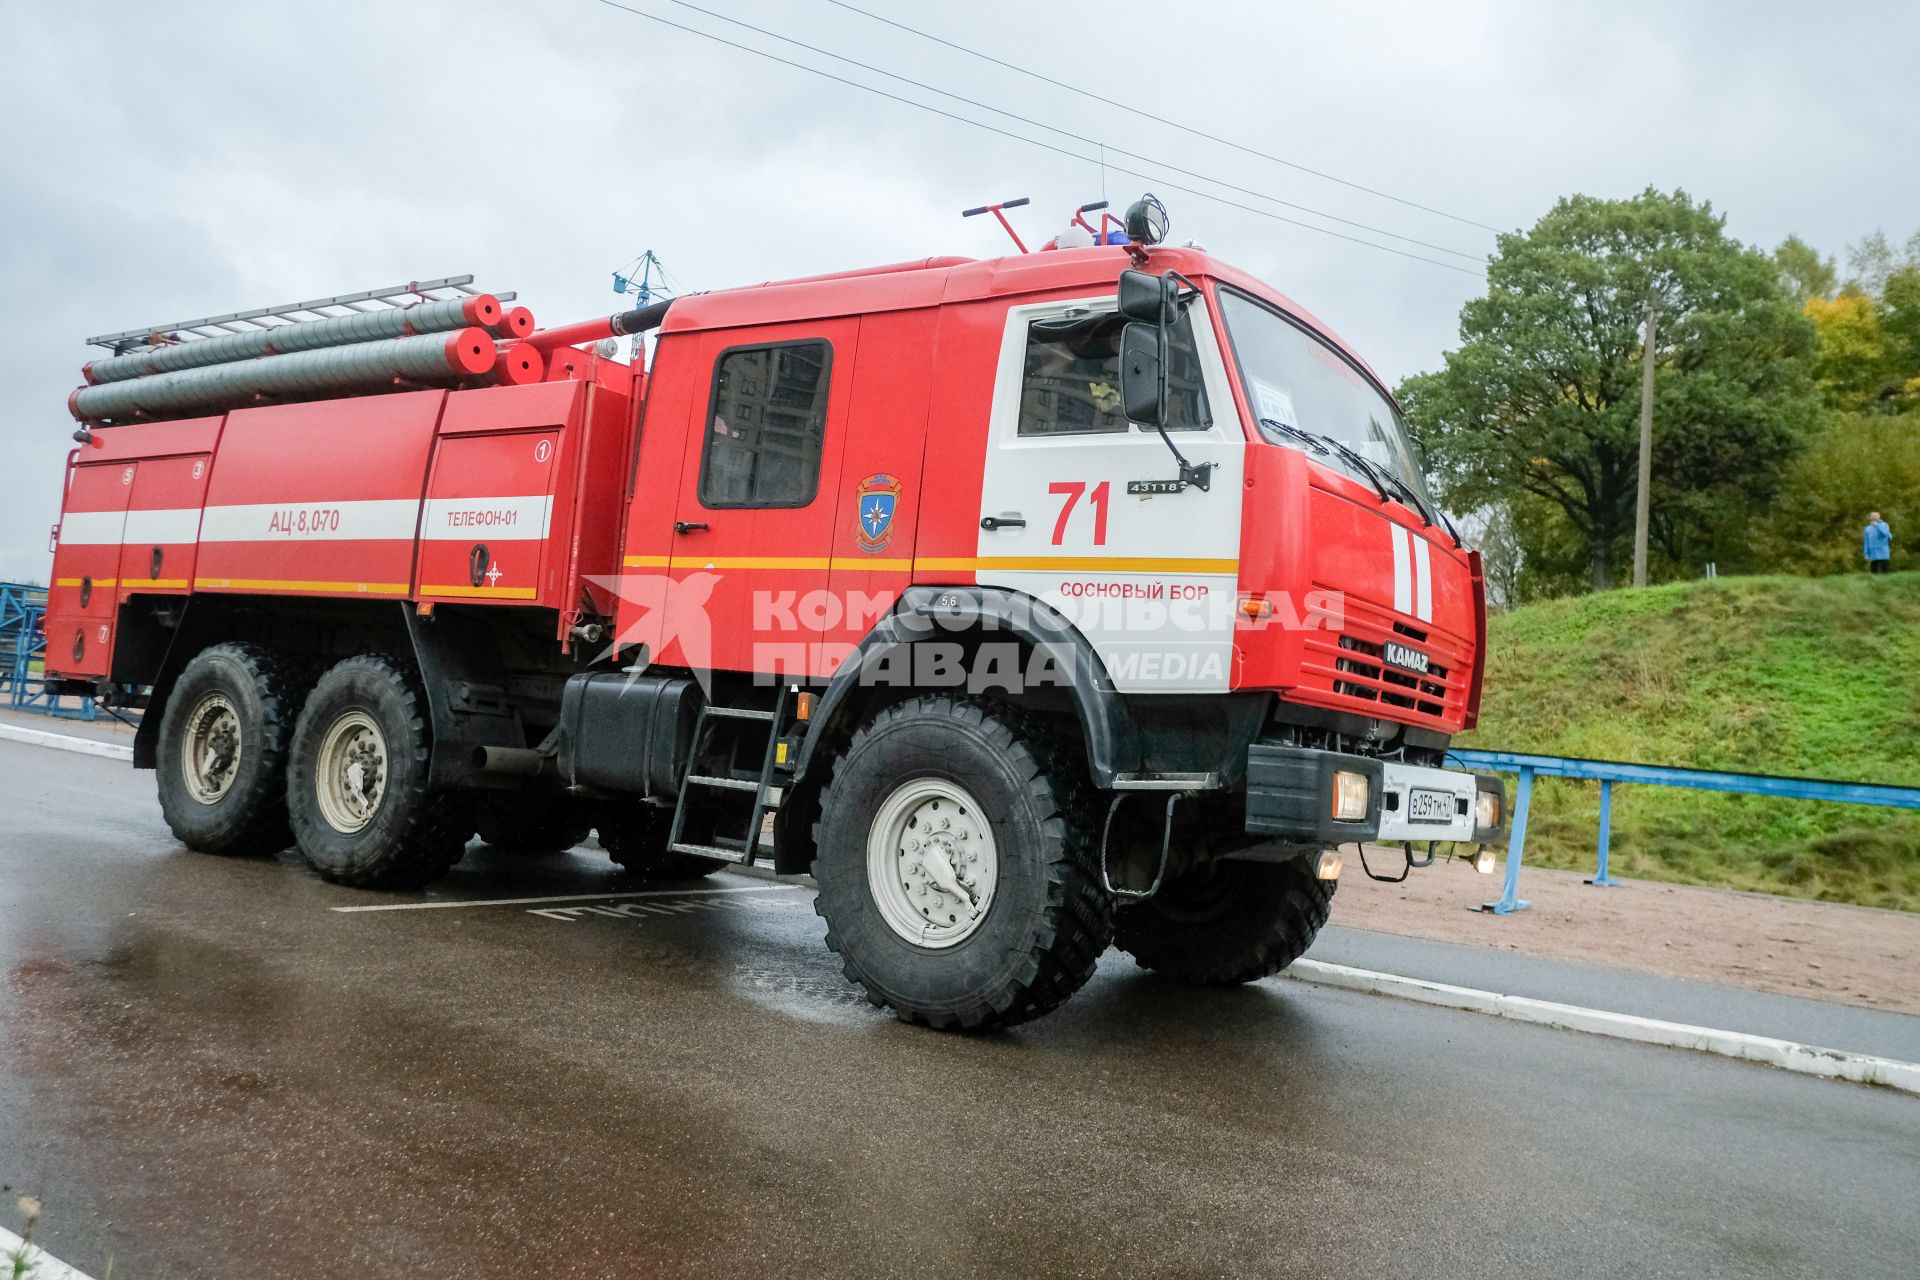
x: 1294, y: 379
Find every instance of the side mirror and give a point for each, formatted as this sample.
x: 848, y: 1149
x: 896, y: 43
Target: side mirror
x: 1140, y: 380
x: 1148, y: 298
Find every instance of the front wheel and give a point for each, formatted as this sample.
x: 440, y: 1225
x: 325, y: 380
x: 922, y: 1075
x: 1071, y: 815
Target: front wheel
x: 957, y: 877
x: 357, y: 783
x: 1227, y: 922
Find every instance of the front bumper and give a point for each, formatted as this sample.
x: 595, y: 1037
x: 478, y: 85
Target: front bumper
x: 1290, y: 793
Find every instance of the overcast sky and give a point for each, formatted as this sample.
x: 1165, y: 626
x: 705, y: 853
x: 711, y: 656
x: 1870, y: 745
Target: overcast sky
x: 160, y: 162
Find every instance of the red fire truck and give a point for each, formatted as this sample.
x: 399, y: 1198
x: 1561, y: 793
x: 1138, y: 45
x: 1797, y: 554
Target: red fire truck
x: 1079, y: 597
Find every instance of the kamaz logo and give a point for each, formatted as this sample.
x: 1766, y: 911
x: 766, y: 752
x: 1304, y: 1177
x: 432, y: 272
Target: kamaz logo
x: 1403, y: 656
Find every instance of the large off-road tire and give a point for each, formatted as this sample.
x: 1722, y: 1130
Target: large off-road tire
x: 635, y: 837
x: 357, y: 793
x: 222, y: 751
x: 531, y: 824
x: 936, y: 795
x: 1227, y: 922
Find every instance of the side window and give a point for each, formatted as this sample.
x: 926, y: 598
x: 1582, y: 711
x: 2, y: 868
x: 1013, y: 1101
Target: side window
x: 1071, y: 383
x: 764, y: 429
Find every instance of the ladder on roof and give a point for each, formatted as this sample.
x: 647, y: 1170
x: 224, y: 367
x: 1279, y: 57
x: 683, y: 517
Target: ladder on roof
x: 390, y: 297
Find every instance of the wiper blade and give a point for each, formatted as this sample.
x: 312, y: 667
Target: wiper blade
x: 1411, y: 496
x: 1429, y: 512
x: 1304, y: 437
x: 1384, y: 480
x: 1359, y: 460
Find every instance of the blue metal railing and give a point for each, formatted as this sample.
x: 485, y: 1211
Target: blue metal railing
x: 1608, y: 772
x: 23, y: 642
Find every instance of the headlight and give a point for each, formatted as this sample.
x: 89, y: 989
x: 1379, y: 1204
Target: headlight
x: 1350, y: 796
x: 1486, y: 810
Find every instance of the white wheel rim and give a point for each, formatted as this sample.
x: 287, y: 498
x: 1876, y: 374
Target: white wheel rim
x: 350, y: 774
x: 210, y: 752
x: 931, y: 863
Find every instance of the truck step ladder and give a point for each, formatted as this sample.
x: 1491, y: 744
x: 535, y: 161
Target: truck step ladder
x: 732, y: 777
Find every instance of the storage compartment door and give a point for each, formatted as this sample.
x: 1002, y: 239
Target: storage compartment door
x: 162, y: 531
x: 86, y: 569
x: 489, y: 512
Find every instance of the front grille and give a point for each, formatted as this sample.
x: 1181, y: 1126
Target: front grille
x: 1378, y: 682
x: 1351, y: 667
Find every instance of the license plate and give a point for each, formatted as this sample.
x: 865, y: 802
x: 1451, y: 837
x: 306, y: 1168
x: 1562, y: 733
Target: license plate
x: 1405, y: 657
x: 1430, y: 806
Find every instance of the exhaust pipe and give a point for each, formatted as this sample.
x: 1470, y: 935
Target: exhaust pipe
x: 522, y: 762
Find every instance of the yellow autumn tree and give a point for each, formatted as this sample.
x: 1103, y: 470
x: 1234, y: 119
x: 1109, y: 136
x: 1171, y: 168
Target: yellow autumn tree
x: 1851, y: 360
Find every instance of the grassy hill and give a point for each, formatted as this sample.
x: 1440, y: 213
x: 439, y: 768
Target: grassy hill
x: 1817, y: 677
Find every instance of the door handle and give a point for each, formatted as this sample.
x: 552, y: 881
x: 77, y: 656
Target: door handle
x: 688, y: 526
x: 1003, y: 522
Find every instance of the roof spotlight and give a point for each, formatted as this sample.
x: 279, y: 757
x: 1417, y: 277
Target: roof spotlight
x: 1147, y: 220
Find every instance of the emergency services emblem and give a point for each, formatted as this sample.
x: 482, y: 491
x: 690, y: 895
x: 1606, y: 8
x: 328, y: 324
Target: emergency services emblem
x: 874, y: 503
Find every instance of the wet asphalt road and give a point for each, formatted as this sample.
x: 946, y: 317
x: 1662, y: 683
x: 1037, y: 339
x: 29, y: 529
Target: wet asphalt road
x: 205, y: 1070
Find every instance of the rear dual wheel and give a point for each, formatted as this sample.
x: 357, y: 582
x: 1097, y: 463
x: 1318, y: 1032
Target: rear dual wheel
x: 222, y: 751
x: 635, y: 837
x: 358, y: 793
x: 531, y: 824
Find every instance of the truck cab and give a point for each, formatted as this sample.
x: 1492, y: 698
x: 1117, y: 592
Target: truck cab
x: 1026, y: 615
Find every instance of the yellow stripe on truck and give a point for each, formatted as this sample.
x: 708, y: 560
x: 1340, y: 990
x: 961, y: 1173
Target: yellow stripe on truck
x: 952, y: 564
x: 282, y: 584
x: 482, y: 593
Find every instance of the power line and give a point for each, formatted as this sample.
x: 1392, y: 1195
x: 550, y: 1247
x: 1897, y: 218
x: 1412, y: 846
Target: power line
x: 1077, y: 137
x: 1032, y: 142
x: 1148, y: 115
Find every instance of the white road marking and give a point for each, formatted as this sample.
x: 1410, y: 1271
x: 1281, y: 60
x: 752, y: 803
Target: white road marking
x: 561, y: 897
x: 41, y: 1265
x: 64, y: 742
x: 1790, y: 1055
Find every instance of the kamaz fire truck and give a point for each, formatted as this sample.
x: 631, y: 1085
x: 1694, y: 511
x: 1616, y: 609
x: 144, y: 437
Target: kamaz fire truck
x: 1083, y: 597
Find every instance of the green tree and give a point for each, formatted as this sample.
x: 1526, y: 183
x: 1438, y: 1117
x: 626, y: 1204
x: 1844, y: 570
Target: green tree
x: 1543, y: 396
x: 1869, y: 332
x: 1803, y: 271
x: 1873, y: 258
x: 1900, y: 331
x: 1857, y: 464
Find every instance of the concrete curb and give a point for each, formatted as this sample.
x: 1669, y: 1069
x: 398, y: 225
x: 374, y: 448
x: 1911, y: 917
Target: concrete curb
x: 41, y: 1265
x: 1790, y: 1055
x: 64, y: 742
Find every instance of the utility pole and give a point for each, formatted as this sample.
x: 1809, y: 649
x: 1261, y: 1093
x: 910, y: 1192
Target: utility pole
x: 1641, y: 503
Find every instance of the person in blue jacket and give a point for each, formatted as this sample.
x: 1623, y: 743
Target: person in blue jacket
x: 1877, y: 543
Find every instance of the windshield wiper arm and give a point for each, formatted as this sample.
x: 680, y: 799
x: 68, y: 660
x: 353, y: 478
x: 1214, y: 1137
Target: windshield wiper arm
x: 1429, y: 511
x: 1305, y: 437
x: 1411, y: 495
x: 1359, y: 460
x: 1383, y: 480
